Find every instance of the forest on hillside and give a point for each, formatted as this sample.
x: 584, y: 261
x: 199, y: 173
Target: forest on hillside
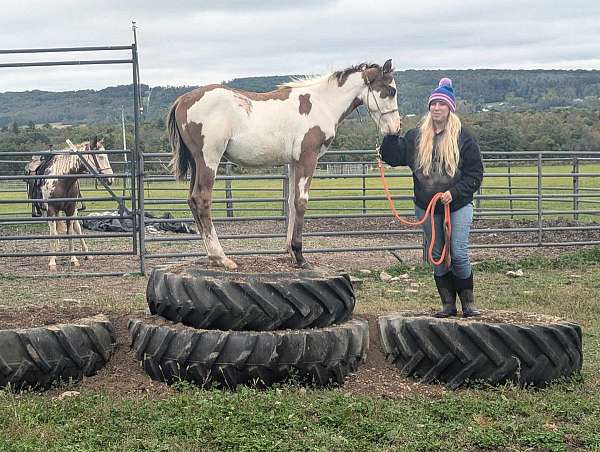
x: 476, y: 90
x: 506, y: 110
x: 498, y: 132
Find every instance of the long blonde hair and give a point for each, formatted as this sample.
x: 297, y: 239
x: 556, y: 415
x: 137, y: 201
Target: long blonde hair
x: 447, y: 146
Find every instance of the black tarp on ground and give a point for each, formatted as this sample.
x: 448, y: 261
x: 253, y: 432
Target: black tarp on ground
x: 118, y: 224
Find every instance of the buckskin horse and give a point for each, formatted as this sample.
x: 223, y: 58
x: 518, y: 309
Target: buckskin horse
x: 292, y: 125
x: 70, y: 162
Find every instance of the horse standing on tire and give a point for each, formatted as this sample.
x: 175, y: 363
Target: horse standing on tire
x: 292, y: 125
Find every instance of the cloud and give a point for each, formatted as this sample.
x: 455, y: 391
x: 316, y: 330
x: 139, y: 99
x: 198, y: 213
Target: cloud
x: 196, y: 42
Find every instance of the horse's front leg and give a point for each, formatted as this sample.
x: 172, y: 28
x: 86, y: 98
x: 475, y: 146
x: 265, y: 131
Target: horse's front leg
x: 70, y: 227
x: 302, y: 173
x: 53, y: 233
x: 200, y: 201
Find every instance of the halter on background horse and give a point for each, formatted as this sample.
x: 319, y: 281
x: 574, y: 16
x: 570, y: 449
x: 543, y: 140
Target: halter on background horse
x: 292, y: 125
x: 69, y: 162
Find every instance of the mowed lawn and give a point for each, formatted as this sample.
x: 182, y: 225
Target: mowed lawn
x: 564, y: 416
x: 329, y: 196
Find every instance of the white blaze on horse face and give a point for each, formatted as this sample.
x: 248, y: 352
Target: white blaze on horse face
x: 389, y: 122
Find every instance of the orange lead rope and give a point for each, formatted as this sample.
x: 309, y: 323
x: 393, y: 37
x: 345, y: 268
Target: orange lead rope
x: 429, y: 214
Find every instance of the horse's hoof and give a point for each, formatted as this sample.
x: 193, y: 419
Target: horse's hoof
x: 52, y: 268
x: 304, y: 265
x: 75, y: 263
x: 229, y: 264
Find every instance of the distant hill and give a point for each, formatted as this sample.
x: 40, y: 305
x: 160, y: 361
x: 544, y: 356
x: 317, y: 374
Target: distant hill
x: 477, y: 90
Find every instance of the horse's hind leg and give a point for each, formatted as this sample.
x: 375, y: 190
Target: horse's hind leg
x: 301, y: 175
x: 200, y: 200
x: 77, y: 229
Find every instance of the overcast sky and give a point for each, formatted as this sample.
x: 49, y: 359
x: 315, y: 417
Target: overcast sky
x: 194, y: 42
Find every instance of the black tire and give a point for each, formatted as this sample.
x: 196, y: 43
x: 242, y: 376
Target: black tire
x: 455, y: 351
x: 37, y: 358
x: 224, y: 300
x: 230, y: 358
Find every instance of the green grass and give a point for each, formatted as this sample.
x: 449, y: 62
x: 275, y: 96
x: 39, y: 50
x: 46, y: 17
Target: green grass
x: 564, y: 416
x: 526, y: 184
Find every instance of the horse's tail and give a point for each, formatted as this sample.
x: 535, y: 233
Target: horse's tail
x: 181, y: 154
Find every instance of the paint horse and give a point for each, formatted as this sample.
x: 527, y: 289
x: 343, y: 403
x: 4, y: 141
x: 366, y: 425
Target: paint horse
x: 292, y: 125
x: 69, y: 162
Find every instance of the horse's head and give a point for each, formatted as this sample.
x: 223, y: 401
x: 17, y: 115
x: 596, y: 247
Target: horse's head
x: 100, y: 162
x: 379, y: 96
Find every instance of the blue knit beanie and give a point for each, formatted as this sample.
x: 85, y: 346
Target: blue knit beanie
x: 444, y: 93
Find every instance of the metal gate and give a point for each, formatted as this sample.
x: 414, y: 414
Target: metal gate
x: 22, y: 237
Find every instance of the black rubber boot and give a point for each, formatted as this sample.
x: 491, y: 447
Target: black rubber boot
x: 464, y: 287
x: 445, y: 287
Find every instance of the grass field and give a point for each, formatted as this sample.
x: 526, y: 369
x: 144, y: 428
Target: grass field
x: 565, y: 416
x: 524, y: 182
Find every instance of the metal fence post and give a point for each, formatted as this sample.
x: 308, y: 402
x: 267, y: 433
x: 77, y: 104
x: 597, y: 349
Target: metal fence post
x: 228, y: 194
x: 575, y: 188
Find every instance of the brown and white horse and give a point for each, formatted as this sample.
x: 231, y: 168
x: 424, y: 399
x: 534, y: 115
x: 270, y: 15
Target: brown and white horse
x: 69, y: 162
x: 292, y: 125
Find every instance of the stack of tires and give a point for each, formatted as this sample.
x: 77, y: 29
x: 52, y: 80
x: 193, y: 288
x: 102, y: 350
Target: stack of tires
x: 234, y: 328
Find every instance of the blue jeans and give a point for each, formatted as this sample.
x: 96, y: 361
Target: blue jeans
x: 461, y: 220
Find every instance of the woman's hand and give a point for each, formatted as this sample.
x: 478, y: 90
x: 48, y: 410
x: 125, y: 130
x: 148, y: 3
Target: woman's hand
x: 446, y: 198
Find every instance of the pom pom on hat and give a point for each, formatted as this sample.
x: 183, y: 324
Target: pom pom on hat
x: 444, y: 93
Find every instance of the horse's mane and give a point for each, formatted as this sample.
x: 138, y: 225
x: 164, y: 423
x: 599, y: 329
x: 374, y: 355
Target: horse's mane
x: 339, y: 76
x: 63, y: 163
x: 342, y: 75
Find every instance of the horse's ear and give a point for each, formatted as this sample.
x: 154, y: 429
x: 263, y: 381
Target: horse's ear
x: 387, y: 67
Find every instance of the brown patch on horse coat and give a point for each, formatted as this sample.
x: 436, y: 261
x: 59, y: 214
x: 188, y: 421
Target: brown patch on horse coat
x: 278, y: 94
x: 191, y: 132
x: 312, y: 141
x: 305, y: 104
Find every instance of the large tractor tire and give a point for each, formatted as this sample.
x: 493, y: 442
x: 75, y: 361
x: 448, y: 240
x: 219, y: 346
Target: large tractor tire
x: 37, y: 358
x: 213, y: 299
x: 529, y: 352
x: 226, y: 359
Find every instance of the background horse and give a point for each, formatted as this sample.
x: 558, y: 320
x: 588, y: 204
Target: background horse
x: 292, y: 125
x: 70, y: 163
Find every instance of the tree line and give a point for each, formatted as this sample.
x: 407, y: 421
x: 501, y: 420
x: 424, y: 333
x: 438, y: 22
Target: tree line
x: 477, y: 90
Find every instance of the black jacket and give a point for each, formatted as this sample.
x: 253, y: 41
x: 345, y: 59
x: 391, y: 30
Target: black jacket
x: 402, y: 151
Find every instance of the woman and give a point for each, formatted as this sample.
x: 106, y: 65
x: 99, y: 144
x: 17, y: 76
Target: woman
x: 443, y: 157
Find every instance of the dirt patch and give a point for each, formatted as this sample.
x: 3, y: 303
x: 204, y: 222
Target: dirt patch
x: 249, y: 265
x: 379, y: 378
x: 489, y: 316
x: 123, y: 374
x: 42, y: 315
